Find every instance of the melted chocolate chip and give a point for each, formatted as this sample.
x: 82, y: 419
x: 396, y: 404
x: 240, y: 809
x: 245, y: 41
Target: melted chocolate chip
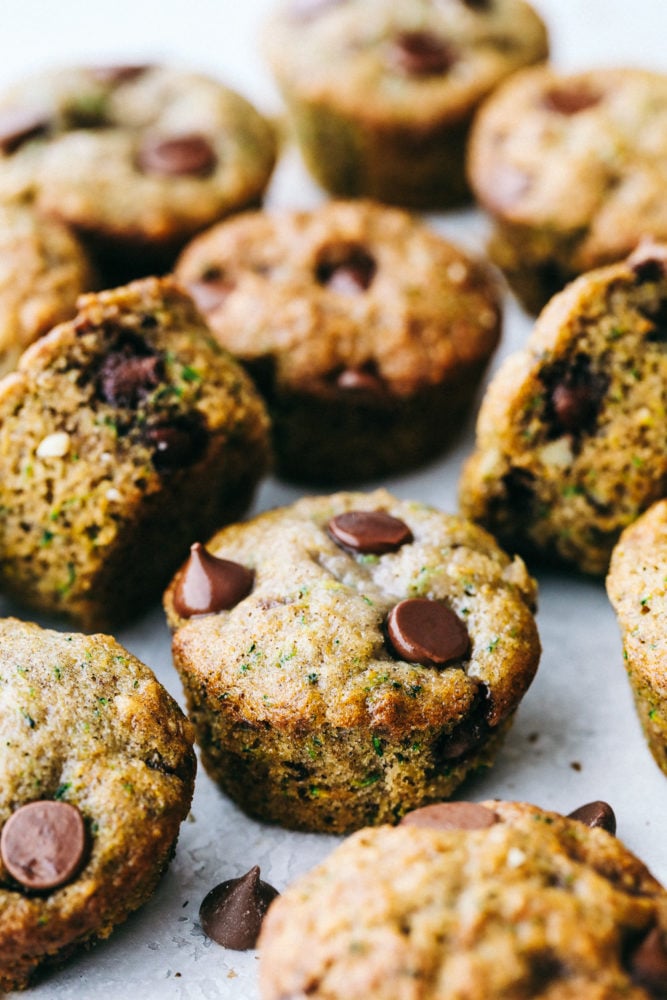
x: 43, y: 844
x: 129, y: 372
x: 18, y: 126
x: 178, y: 156
x: 427, y: 632
x: 209, y: 584
x: 420, y: 53
x: 570, y: 100
x: 451, y: 816
x: 177, y: 443
x: 232, y: 913
x: 595, y: 814
x: 575, y: 394
x: 114, y: 75
x: 648, y: 964
x: 346, y: 270
x: 369, y: 531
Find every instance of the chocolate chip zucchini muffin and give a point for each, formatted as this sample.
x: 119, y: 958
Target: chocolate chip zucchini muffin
x: 43, y: 269
x: 571, y: 433
x: 494, y: 900
x: 381, y: 93
x: 636, y: 588
x: 350, y: 657
x: 366, y: 331
x: 135, y: 158
x: 97, y: 773
x: 573, y: 170
x: 124, y: 433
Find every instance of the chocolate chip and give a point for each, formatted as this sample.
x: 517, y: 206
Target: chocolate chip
x: 129, y: 372
x: 18, y: 126
x: 420, y: 53
x: 232, y: 913
x: 451, y: 816
x: 575, y: 394
x: 360, y: 380
x: 370, y: 531
x: 178, y: 156
x: 43, y: 844
x: 177, y: 443
x: 428, y: 632
x: 648, y: 261
x: 208, y: 584
x: 648, y: 964
x: 594, y: 814
x: 113, y: 75
x: 570, y: 100
x: 346, y: 270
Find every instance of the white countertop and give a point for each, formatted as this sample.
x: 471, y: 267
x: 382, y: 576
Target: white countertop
x: 576, y: 737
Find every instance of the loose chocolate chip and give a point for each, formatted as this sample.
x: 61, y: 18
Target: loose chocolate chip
x: 347, y: 271
x: 570, y: 100
x: 208, y: 584
x: 232, y: 913
x: 18, y: 126
x: 360, y: 380
x: 596, y: 814
x: 178, y: 443
x: 649, y: 964
x: 428, y: 632
x: 129, y: 372
x: 420, y: 53
x: 369, y: 531
x: 451, y: 816
x: 113, y: 75
x: 43, y: 844
x: 178, y: 156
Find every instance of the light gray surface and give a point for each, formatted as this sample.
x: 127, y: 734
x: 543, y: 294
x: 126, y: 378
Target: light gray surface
x: 576, y: 737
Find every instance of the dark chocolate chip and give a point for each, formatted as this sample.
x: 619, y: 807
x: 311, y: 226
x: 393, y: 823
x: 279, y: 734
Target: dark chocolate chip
x: 209, y: 584
x: 177, y: 156
x: 177, y: 443
x: 648, y: 964
x: 362, y: 381
x: 114, y: 75
x: 428, y: 632
x: 451, y: 816
x: 43, y: 844
x: 18, y: 126
x: 420, y: 53
x: 570, y: 100
x: 575, y: 394
x: 370, y: 531
x: 648, y: 261
x: 346, y: 270
x: 129, y: 372
x: 571, y: 405
x: 232, y: 913
x: 594, y: 814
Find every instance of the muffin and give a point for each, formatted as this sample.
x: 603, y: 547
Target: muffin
x: 489, y: 900
x: 573, y: 170
x: 571, y: 433
x: 366, y: 332
x: 97, y: 775
x: 43, y: 269
x: 124, y: 434
x: 636, y: 588
x: 349, y: 657
x: 135, y: 158
x: 381, y: 93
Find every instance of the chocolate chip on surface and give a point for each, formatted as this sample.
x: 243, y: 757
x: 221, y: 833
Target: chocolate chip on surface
x: 428, y: 632
x: 594, y: 814
x: 370, y: 531
x: 451, y: 816
x: 648, y: 261
x: 43, y: 844
x: 209, y: 584
x: 232, y: 913
x: 178, y: 156
x: 18, y: 125
x: 346, y: 270
x: 178, y: 443
x: 648, y: 964
x: 420, y: 53
x: 570, y: 100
